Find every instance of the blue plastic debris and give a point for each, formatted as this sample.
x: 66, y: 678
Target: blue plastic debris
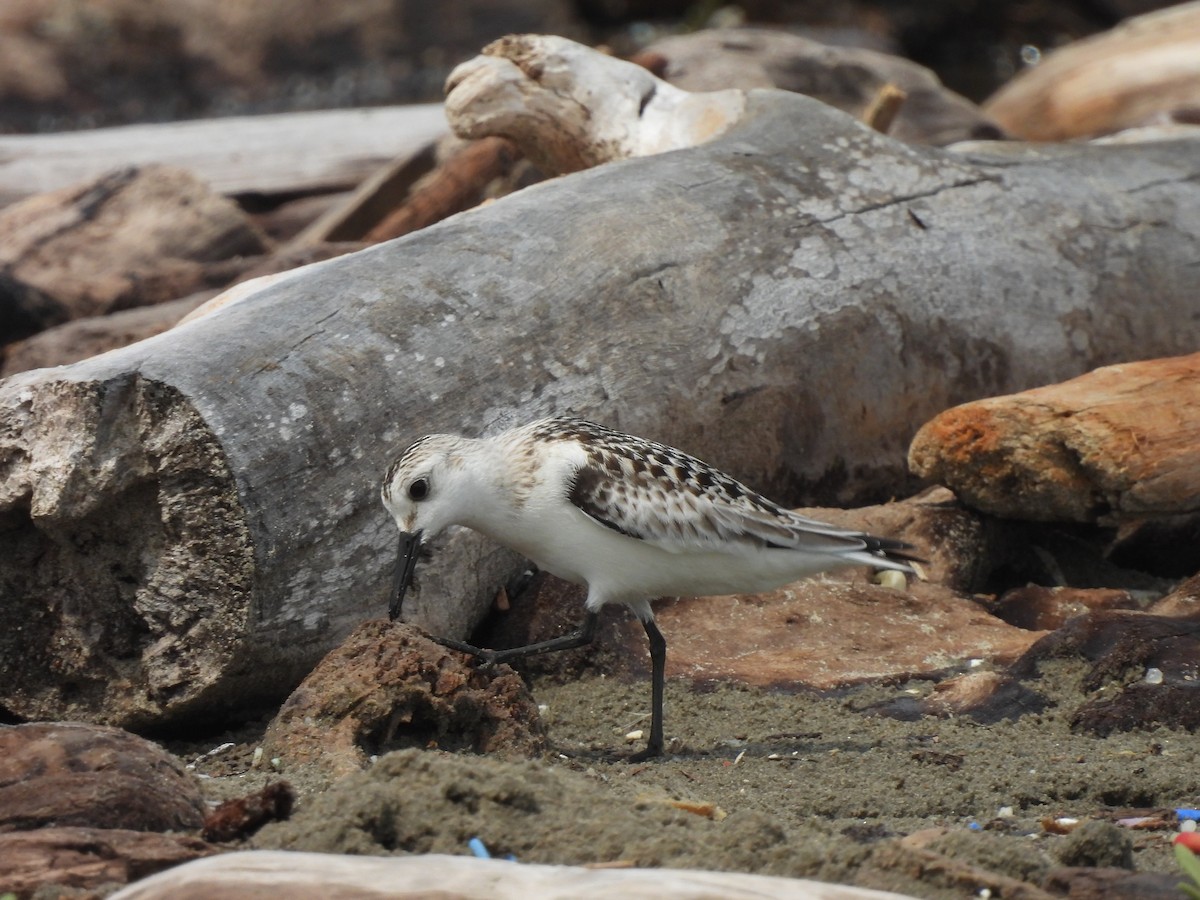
x: 478, y: 848
x: 975, y: 826
x: 1193, y: 814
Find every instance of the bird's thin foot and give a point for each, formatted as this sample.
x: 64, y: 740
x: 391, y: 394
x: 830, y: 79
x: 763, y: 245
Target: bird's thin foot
x: 487, y: 658
x: 649, y: 752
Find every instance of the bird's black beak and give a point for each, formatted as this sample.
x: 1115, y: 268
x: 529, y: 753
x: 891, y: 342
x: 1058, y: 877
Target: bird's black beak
x: 410, y: 547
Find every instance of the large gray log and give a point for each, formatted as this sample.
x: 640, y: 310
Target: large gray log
x: 190, y: 522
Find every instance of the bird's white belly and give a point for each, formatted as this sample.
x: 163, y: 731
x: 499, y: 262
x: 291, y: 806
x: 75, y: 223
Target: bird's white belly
x: 621, y: 569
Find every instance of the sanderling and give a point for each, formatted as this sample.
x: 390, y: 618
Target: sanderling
x: 630, y: 518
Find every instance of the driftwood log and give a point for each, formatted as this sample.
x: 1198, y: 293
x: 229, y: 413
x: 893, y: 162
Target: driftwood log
x: 237, y: 155
x: 1146, y: 71
x: 311, y: 875
x: 1119, y: 443
x: 191, y: 522
x: 850, y: 78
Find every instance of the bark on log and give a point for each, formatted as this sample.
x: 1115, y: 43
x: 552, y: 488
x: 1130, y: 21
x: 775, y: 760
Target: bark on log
x: 236, y: 155
x: 191, y: 522
x: 1119, y: 443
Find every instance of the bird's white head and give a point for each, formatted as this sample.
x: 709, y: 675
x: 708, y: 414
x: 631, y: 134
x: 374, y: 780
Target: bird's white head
x: 427, y: 488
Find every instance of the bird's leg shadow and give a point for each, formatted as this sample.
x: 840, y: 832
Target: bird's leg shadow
x: 581, y: 637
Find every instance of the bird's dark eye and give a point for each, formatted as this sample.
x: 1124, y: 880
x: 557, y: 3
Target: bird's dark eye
x: 419, y: 489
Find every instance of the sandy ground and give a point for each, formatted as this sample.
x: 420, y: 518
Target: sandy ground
x: 786, y: 784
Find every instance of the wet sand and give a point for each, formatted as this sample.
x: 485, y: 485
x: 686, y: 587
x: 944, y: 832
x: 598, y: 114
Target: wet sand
x: 796, y: 784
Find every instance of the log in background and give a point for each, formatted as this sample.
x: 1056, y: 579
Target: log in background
x: 188, y: 524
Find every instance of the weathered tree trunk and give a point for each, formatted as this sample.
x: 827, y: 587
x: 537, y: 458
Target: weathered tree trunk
x: 190, y: 522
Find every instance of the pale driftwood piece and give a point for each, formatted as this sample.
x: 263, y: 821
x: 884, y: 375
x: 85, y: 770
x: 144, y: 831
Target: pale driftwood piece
x: 1144, y: 69
x: 849, y: 78
x: 129, y: 238
x: 289, y: 153
x: 1120, y: 443
x: 192, y: 522
x: 240, y: 876
x: 570, y: 108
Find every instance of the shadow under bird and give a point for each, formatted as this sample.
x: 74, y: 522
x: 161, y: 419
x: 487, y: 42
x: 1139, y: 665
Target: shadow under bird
x: 629, y: 518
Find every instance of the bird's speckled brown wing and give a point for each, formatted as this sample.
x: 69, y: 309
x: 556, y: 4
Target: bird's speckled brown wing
x: 665, y: 497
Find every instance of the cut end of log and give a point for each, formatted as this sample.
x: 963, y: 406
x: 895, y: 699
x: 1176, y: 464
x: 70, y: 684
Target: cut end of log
x: 128, y: 583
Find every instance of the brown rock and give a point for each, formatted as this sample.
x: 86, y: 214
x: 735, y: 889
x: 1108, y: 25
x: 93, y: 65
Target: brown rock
x: 1184, y: 601
x: 386, y: 687
x: 84, y: 858
x: 1152, y: 659
x: 130, y: 238
x: 1142, y: 706
x: 819, y: 633
x: 1046, y: 608
x: 545, y: 606
x: 1110, y: 883
x: 24, y: 310
x: 1166, y: 545
x: 82, y: 338
x: 68, y: 773
x: 1120, y: 442
x: 1118, y: 643
x: 984, y: 696
x: 825, y: 633
x: 242, y: 816
x: 966, y: 691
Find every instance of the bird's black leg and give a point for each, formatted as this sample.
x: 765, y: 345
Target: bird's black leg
x: 658, y: 667
x: 578, y: 638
